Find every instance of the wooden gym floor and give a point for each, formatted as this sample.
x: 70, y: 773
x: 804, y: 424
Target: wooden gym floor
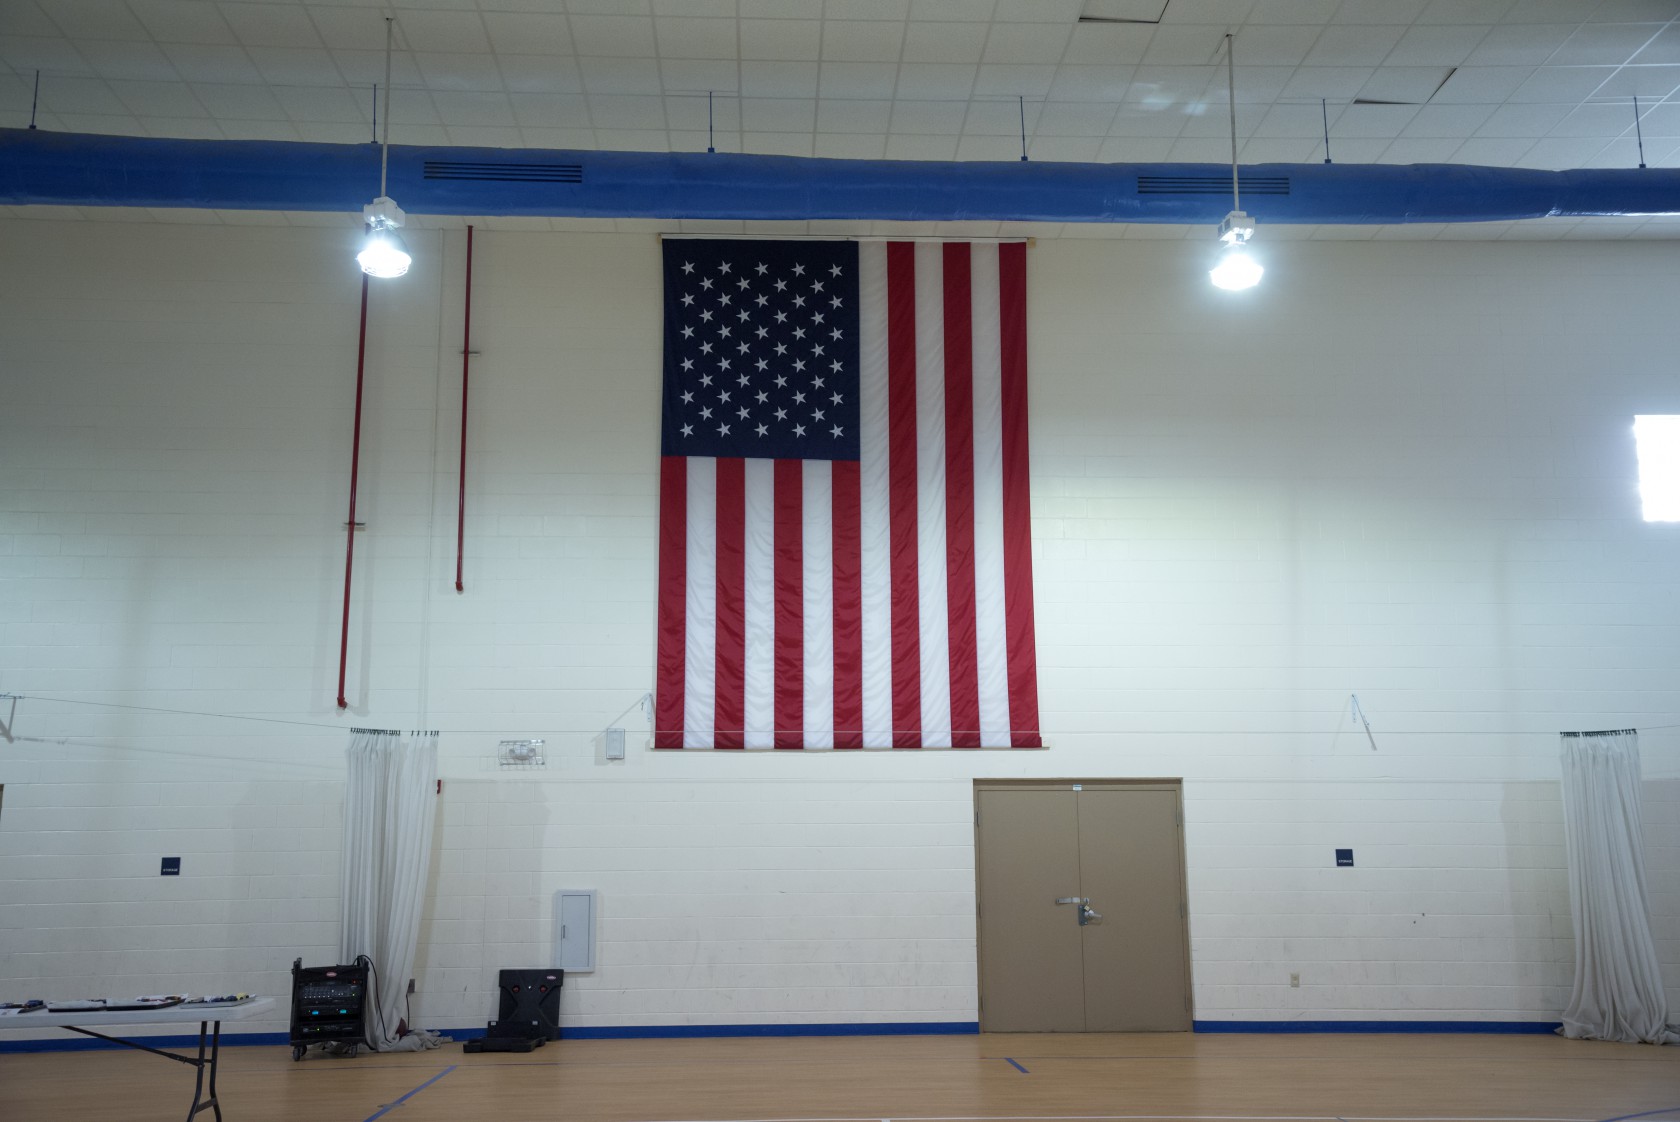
x: 1021, y: 1078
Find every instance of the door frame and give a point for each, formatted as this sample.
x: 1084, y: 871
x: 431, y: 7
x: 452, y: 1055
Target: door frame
x: 1163, y: 783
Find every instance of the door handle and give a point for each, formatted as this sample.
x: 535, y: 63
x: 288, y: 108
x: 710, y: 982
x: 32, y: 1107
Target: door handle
x: 1088, y: 914
x: 1080, y: 900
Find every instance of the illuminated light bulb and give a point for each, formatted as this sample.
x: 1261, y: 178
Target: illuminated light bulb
x: 383, y: 253
x: 1237, y: 269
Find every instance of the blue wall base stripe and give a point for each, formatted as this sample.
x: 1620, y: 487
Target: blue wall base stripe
x: 1505, y: 1028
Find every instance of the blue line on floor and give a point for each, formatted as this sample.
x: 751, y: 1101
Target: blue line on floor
x: 382, y: 1111
x: 1644, y: 1114
x: 1016, y: 1066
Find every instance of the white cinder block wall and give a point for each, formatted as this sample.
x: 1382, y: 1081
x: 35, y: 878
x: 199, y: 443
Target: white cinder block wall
x: 1398, y: 470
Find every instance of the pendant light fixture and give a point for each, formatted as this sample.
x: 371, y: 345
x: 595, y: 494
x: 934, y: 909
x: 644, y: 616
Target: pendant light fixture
x: 1237, y: 268
x: 383, y: 252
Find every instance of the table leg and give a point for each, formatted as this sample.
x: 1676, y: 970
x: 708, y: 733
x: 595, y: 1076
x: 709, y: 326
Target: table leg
x: 212, y: 1030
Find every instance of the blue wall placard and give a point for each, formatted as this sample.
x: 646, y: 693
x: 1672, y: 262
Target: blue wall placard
x: 1344, y: 858
x: 171, y: 867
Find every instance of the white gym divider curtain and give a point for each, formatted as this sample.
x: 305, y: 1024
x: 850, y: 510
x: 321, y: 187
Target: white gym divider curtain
x: 1618, y: 992
x: 389, y: 805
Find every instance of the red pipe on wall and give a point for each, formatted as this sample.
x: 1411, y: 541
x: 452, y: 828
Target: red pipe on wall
x: 466, y: 355
x: 350, y: 527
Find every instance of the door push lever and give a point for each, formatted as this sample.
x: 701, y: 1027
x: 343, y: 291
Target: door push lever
x: 1088, y: 914
x: 1080, y: 900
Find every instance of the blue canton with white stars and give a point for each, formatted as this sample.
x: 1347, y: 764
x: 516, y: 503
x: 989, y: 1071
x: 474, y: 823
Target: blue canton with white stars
x: 761, y: 349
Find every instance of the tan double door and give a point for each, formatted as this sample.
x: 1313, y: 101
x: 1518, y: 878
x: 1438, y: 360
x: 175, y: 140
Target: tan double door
x: 1049, y: 854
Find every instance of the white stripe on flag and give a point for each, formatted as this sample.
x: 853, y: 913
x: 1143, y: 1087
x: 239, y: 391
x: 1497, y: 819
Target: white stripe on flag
x: 991, y: 633
x: 700, y: 646
x: 930, y: 495
x: 874, y: 498
x: 819, y: 603
x: 760, y: 607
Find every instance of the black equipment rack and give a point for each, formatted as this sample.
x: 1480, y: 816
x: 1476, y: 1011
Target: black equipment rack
x: 329, y: 1006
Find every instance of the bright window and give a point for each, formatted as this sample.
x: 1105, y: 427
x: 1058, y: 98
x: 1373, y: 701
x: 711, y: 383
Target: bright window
x: 1658, y: 438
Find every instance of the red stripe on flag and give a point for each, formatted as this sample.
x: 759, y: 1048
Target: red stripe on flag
x: 673, y: 602
x: 901, y: 476
x: 848, y: 605
x: 731, y: 714
x: 1017, y: 500
x: 790, y: 604
x: 959, y: 497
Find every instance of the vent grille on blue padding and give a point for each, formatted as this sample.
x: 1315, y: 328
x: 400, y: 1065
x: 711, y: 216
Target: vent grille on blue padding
x: 1211, y: 185
x: 504, y: 173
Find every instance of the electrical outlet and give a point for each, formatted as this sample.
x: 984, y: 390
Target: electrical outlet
x: 1294, y: 981
x: 411, y: 985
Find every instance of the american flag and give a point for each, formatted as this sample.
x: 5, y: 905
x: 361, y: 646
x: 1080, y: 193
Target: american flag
x: 845, y: 553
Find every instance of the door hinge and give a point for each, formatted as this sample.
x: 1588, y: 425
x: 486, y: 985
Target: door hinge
x: 977, y: 817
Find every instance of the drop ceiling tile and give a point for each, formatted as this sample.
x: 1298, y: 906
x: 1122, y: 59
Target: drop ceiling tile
x: 1135, y: 120
x: 1648, y: 83
x: 181, y: 21
x: 1104, y: 44
x: 773, y: 114
x: 952, y: 9
x: 1189, y: 45
x: 1531, y: 121
x: 1028, y: 43
x: 1064, y: 12
x: 1437, y: 44
x: 1359, y: 149
x: 1568, y: 84
x: 1560, y: 153
x: 93, y: 19
x: 1293, y: 121
x: 484, y: 136
x: 695, y: 38
x: 335, y: 106
x: 1620, y: 153
x: 65, y: 95
x: 690, y: 112
x: 685, y: 75
x: 535, y: 33
x: 1281, y: 150
x: 183, y: 128
x: 459, y: 71
x: 1335, y: 83
x: 1256, y: 86
x: 135, y: 61
x: 1200, y: 150
x: 780, y: 38
x: 461, y: 108
x: 407, y: 112
x: 1455, y: 122
x: 200, y: 63
x: 845, y: 146
x: 1596, y: 120
x: 271, y: 25
x: 779, y: 143
x: 633, y: 140
x: 995, y: 80
x: 1421, y: 150
x: 1523, y: 44
x: 366, y: 68
x: 1135, y: 149
x: 641, y: 75
x: 998, y: 118
x: 558, y: 139
x: 1272, y: 46
x: 288, y: 67
x: 1380, y: 11
x: 1465, y: 11
x: 934, y: 81
x: 627, y: 112
x: 1499, y: 152
x: 1372, y: 121
x: 613, y: 36
x: 549, y: 110
x: 1353, y: 44
x: 540, y: 74
x: 1605, y: 44
x: 856, y: 79
x: 1546, y: 11
x: 25, y: 17
x: 1482, y: 84
x: 259, y: 130
x: 1663, y: 48
x: 326, y: 132
x: 353, y: 29
x: 26, y: 54
x: 1661, y: 120
x: 1075, y: 118
x: 1633, y: 11
x: 846, y: 115
x: 778, y: 79
x: 1293, y: 11
x: 718, y: 9
x: 781, y: 9
x: 443, y: 31
x: 989, y: 148
x: 105, y: 124
x: 914, y: 146
x: 233, y: 102
x: 159, y: 99
x: 1170, y: 85
x: 862, y: 40
x: 944, y: 42
x: 943, y: 118
x: 1092, y: 83
x: 1064, y: 149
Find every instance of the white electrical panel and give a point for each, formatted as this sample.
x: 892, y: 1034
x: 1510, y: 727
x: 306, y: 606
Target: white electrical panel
x: 574, y: 929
